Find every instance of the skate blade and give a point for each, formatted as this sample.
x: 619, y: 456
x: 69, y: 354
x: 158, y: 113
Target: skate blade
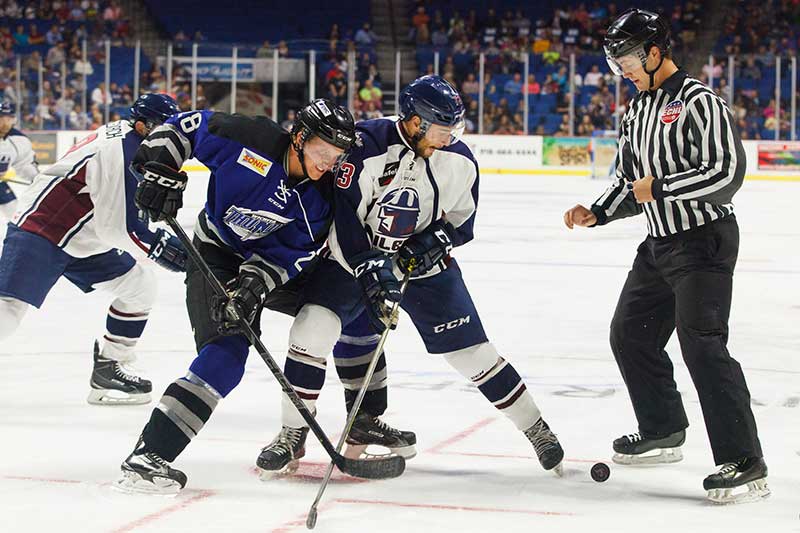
x: 368, y: 451
x: 133, y: 483
x: 661, y: 456
x: 270, y: 475
x: 115, y: 397
x: 756, y: 490
x: 558, y: 470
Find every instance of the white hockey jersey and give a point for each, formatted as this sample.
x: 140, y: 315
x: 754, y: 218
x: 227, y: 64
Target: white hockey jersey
x: 385, y: 193
x: 16, y: 151
x: 84, y: 202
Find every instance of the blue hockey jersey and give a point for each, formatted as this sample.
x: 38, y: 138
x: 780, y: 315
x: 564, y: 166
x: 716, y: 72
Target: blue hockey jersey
x: 275, y: 223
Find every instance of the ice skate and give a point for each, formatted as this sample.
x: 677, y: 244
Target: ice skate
x: 636, y: 449
x: 547, y: 447
x: 740, y: 482
x: 370, y: 430
x: 145, y: 472
x: 283, y: 454
x: 112, y: 384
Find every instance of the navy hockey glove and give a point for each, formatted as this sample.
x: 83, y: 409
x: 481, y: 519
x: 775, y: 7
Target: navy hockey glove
x: 168, y: 252
x: 246, y: 294
x: 423, y: 251
x: 160, y: 193
x: 374, y: 274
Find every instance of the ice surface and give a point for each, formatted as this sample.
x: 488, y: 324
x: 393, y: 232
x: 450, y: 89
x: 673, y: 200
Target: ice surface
x: 545, y: 295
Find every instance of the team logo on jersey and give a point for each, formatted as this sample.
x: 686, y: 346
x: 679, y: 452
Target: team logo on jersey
x: 388, y: 174
x: 672, y: 112
x: 254, y: 162
x: 250, y: 225
x: 398, y: 213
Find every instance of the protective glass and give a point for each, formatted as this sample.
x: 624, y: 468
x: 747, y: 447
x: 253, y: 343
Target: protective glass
x: 629, y: 62
x: 445, y: 135
x: 324, y: 156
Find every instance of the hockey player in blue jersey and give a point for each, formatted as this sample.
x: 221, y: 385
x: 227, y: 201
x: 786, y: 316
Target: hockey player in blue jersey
x: 404, y: 199
x: 267, y: 214
x: 16, y: 151
x: 78, y: 220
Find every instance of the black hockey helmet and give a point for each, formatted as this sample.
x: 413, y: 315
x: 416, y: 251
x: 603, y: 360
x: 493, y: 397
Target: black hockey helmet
x: 631, y: 37
x: 329, y: 121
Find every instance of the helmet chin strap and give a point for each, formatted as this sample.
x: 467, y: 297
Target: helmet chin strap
x: 300, y: 155
x: 414, y: 140
x: 652, y: 73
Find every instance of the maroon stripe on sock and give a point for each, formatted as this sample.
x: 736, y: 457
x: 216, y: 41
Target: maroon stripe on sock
x: 127, y: 315
x: 512, y: 399
x: 306, y: 396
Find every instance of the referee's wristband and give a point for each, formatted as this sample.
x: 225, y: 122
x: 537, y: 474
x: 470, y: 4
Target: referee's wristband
x: 600, y: 214
x: 657, y: 189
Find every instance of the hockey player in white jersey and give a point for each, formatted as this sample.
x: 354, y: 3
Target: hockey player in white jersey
x: 78, y: 220
x: 404, y: 199
x: 16, y: 152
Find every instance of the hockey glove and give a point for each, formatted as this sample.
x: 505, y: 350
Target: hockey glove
x: 374, y: 274
x: 246, y: 294
x: 168, y: 252
x: 423, y: 251
x: 160, y: 193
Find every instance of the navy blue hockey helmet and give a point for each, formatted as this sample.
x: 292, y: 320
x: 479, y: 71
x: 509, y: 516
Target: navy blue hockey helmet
x: 153, y: 109
x: 7, y: 108
x: 435, y: 101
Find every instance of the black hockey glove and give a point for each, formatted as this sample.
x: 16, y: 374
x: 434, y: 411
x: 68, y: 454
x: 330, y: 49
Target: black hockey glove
x: 160, y: 193
x: 168, y: 252
x: 423, y: 251
x: 374, y: 274
x: 246, y: 294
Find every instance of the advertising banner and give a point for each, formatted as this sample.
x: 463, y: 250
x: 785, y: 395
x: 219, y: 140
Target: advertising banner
x: 779, y: 156
x: 566, y: 151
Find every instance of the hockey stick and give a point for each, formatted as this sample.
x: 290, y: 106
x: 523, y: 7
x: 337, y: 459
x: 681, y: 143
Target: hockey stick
x: 311, y: 519
x: 18, y: 182
x: 384, y: 468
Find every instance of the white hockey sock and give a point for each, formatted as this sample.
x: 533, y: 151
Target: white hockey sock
x: 498, y: 381
x: 314, y: 332
x: 11, y: 313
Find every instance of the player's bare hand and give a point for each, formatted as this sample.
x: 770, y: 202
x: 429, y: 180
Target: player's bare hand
x: 642, y: 189
x: 579, y: 216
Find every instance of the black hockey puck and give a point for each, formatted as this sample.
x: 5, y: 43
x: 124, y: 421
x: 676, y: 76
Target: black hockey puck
x: 600, y: 472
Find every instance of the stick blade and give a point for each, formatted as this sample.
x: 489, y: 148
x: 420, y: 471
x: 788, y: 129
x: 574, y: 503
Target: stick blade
x: 383, y: 468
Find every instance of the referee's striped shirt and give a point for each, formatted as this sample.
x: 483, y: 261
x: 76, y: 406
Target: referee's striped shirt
x: 684, y: 136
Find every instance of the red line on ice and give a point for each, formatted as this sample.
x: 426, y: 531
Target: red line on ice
x: 461, y: 436
x: 43, y: 479
x: 152, y: 517
x: 451, y: 507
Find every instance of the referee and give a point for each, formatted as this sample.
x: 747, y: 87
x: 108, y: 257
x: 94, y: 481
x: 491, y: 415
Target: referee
x: 680, y: 161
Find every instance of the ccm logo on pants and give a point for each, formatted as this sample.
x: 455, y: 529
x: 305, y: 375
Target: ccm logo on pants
x: 451, y: 325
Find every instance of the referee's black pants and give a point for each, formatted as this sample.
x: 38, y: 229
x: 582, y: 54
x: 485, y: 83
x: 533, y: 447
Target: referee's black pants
x: 685, y: 281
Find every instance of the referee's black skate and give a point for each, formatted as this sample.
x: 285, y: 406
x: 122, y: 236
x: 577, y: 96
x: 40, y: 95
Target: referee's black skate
x: 637, y: 449
x: 749, y: 473
x: 370, y: 430
x: 145, y: 472
x: 113, y: 384
x: 283, y: 454
x: 547, y: 447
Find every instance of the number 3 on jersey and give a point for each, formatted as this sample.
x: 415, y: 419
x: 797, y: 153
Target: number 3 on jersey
x: 346, y: 176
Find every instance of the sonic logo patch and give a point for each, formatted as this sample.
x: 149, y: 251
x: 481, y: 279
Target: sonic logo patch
x: 254, y: 162
x: 672, y: 111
